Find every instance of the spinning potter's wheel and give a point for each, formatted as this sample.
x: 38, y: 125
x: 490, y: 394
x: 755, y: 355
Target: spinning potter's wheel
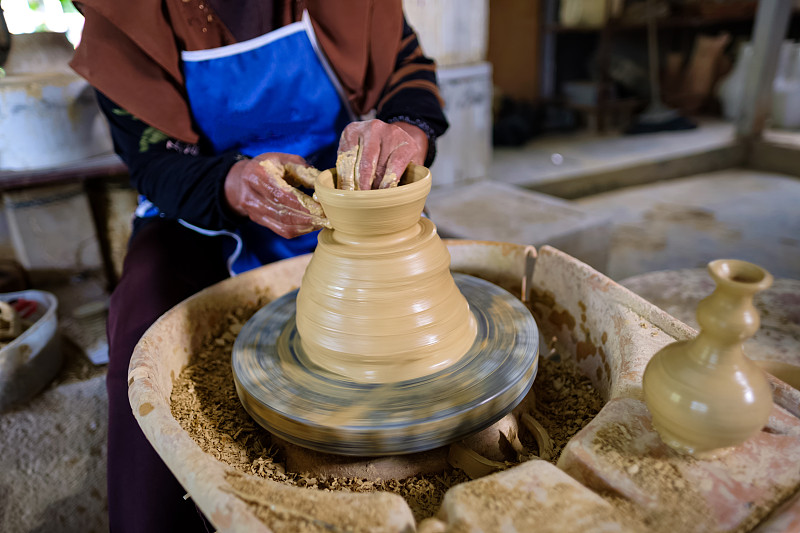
x: 382, y: 350
x: 284, y: 391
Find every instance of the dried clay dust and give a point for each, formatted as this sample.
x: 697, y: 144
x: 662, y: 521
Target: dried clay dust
x: 205, y: 403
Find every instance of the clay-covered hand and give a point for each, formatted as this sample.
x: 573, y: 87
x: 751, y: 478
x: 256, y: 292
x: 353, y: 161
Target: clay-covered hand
x: 264, y: 189
x: 374, y: 154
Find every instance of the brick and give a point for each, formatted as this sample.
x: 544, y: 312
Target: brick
x: 786, y: 519
x: 534, y: 496
x: 619, y: 452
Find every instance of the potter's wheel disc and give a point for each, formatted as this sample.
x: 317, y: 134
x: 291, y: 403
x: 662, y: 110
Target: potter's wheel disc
x: 311, y: 407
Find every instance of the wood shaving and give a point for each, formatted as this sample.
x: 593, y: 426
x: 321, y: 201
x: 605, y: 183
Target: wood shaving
x: 472, y: 463
x: 511, y: 437
x: 543, y: 441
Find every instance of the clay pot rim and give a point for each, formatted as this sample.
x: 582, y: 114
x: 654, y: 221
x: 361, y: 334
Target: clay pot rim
x: 417, y: 188
x: 739, y: 274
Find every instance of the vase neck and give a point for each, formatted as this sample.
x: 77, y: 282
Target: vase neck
x: 706, y: 349
x: 728, y: 316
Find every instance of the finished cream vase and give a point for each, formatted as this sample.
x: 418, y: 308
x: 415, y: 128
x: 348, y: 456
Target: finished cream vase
x: 705, y: 394
x: 377, y: 302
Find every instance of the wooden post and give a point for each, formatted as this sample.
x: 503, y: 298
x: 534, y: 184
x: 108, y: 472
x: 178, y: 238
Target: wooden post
x: 547, y: 69
x: 771, y: 24
x: 5, y: 39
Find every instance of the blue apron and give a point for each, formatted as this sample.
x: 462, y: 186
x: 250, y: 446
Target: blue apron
x: 274, y: 93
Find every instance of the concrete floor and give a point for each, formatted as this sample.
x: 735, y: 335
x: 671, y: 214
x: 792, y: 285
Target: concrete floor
x: 52, y: 466
x: 687, y: 222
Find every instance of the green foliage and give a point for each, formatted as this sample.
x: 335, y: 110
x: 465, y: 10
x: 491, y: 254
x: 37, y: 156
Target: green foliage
x: 66, y: 6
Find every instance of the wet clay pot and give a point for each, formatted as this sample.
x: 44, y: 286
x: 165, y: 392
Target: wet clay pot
x: 705, y: 394
x: 377, y: 302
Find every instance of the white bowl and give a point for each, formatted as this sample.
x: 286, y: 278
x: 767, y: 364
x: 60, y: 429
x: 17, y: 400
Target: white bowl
x: 34, y: 358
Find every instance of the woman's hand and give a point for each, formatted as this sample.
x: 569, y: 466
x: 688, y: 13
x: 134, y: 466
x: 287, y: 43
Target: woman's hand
x: 374, y: 154
x: 264, y: 189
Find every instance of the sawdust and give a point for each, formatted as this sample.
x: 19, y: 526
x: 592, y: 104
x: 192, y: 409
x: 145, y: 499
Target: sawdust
x: 680, y: 507
x: 565, y: 402
x: 205, y: 403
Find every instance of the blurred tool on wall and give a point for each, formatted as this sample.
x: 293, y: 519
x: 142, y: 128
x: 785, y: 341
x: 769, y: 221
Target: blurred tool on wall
x: 657, y: 116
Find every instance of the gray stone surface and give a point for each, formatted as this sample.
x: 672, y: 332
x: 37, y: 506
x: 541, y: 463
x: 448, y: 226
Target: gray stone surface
x: 493, y: 211
x: 685, y: 223
x: 679, y: 291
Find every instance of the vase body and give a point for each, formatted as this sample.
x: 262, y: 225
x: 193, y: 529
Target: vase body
x: 589, y: 13
x: 786, y: 88
x: 731, y: 89
x: 377, y: 303
x: 705, y: 394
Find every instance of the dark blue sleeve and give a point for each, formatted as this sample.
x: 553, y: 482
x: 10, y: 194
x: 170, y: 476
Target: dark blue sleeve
x: 412, y: 93
x: 182, y: 180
